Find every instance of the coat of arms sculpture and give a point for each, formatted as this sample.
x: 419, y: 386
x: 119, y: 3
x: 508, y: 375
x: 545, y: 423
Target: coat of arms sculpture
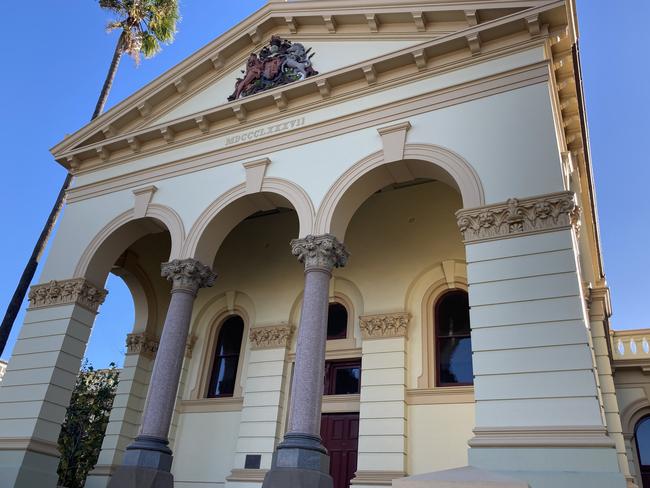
x: 279, y: 63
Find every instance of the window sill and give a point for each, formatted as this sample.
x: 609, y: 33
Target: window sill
x: 205, y: 405
x: 440, y: 395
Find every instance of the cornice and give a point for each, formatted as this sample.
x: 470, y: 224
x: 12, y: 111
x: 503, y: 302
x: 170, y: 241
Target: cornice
x: 518, y: 217
x: 463, y: 92
x: 419, y: 56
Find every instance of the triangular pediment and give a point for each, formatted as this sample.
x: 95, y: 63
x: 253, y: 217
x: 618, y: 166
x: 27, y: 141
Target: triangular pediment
x: 350, y: 38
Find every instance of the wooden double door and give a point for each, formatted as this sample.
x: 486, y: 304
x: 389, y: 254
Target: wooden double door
x: 340, y: 434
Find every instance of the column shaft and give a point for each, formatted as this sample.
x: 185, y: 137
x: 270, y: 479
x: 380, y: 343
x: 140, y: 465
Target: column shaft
x: 161, y: 398
x: 307, y: 388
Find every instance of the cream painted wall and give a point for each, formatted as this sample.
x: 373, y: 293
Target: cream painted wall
x: 438, y: 436
x: 205, y: 448
x: 329, y: 57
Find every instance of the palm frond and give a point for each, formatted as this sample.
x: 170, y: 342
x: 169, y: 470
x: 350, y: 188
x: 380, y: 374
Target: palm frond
x: 146, y: 24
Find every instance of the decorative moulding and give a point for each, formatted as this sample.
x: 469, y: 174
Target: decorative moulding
x: 65, y: 292
x: 270, y: 337
x: 141, y: 343
x: 381, y: 478
x: 384, y: 325
x: 546, y: 436
x: 143, y: 198
x: 255, y: 171
x: 518, y: 217
x: 393, y: 138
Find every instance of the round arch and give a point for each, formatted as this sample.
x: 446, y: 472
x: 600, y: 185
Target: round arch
x: 339, y: 204
x: 216, y: 222
x: 107, y: 245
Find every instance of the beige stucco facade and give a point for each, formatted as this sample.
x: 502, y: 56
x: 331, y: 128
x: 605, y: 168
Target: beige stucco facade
x: 445, y: 145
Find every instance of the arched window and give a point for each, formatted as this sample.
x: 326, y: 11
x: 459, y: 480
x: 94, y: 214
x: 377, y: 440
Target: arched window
x: 337, y: 321
x: 226, y: 358
x: 453, y: 342
x: 642, y: 436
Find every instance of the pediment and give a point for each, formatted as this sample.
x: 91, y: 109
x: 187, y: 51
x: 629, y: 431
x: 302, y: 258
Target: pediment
x: 350, y: 38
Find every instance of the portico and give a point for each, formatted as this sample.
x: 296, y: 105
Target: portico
x: 406, y: 249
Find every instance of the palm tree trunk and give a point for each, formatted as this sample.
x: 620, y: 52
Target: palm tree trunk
x: 30, y: 269
x: 110, y: 77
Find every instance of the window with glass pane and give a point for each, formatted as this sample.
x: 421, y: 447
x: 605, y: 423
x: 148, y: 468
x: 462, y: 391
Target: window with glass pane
x: 453, y: 341
x: 337, y: 321
x: 226, y: 358
x: 342, y: 377
x: 642, y: 435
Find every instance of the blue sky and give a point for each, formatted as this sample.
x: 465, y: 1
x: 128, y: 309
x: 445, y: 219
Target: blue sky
x: 56, y: 62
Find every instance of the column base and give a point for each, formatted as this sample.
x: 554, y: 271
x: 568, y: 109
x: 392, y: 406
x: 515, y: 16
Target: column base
x: 300, y: 461
x: 147, y: 464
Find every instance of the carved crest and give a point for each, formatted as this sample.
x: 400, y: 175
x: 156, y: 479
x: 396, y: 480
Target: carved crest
x: 277, y: 64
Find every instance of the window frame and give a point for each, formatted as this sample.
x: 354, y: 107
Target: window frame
x: 436, y: 352
x: 200, y: 390
x: 213, y: 361
x: 331, y: 366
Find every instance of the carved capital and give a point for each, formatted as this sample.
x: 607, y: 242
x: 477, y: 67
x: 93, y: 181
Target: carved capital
x: 270, y: 337
x: 188, y: 275
x: 384, y: 325
x: 519, y: 217
x: 141, y: 343
x: 64, y: 292
x: 320, y: 252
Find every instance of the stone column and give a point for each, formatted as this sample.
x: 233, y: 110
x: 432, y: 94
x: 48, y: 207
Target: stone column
x: 301, y: 461
x: 382, y: 419
x: 42, y: 371
x: 147, y: 461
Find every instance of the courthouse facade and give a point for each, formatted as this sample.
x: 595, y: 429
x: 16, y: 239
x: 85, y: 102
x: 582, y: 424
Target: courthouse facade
x: 377, y: 231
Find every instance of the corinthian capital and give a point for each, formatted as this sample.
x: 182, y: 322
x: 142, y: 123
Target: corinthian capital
x: 323, y: 252
x: 188, y: 274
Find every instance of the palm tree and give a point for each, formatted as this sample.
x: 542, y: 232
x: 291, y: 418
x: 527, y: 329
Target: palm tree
x: 144, y: 25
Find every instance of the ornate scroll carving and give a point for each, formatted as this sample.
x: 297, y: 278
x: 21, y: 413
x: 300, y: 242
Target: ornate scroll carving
x: 270, y: 337
x: 384, y: 325
x: 188, y: 274
x: 517, y: 217
x: 277, y: 64
x: 324, y: 252
x: 141, y: 343
x: 76, y: 290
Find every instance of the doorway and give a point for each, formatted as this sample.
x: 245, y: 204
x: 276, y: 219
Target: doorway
x: 340, y: 435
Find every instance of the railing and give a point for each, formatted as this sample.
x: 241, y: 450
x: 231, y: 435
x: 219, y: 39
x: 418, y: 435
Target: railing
x: 631, y: 344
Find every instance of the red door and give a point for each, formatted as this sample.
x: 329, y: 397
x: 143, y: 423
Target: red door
x: 340, y: 434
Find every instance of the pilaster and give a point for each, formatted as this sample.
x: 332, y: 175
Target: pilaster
x: 382, y: 418
x: 262, y: 412
x: 36, y: 389
x: 537, y: 401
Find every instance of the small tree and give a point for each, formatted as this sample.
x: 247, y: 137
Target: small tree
x: 85, y: 423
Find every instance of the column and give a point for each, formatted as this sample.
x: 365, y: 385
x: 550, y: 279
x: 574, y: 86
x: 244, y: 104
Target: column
x: 538, y: 415
x: 382, y: 419
x: 41, y: 375
x: 124, y: 421
x: 262, y: 412
x: 599, y: 313
x: 300, y: 460
x: 147, y: 461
